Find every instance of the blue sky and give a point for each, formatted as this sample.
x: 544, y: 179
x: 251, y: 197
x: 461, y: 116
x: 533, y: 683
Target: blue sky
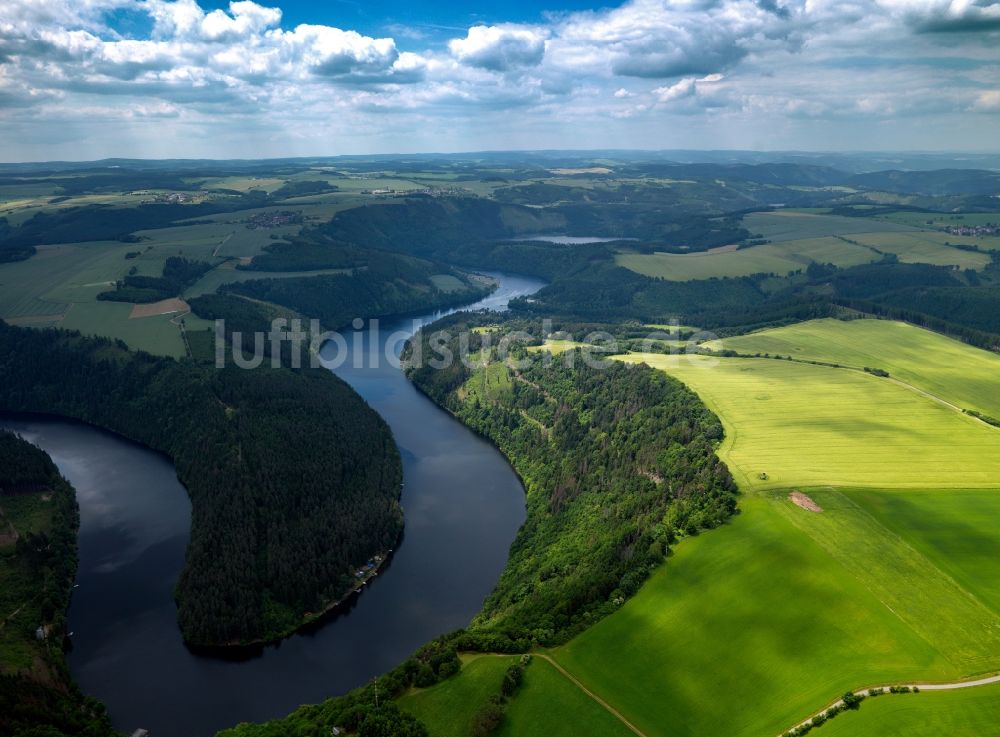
x: 435, y: 19
x: 84, y: 79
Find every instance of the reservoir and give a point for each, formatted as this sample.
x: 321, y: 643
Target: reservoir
x: 462, y: 502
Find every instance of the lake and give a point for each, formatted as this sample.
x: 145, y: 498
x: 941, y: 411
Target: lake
x: 463, y: 505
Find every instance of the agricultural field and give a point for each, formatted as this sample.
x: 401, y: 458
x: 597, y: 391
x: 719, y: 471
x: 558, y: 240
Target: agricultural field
x: 926, y: 247
x: 771, y: 258
x: 227, y: 273
x: 555, y: 346
x: 954, y: 529
x: 958, y: 373
x: 448, y: 708
x: 550, y: 705
x: 799, y: 238
x: 972, y: 712
x: 789, y: 423
x: 680, y: 658
x: 791, y: 225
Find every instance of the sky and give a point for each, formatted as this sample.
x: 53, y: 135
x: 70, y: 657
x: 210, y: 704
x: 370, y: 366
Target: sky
x: 89, y: 79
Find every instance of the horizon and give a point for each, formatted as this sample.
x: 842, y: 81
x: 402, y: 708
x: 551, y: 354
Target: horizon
x: 168, y: 79
x: 639, y: 153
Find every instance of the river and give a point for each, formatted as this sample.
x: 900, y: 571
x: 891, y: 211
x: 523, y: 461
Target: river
x: 462, y: 502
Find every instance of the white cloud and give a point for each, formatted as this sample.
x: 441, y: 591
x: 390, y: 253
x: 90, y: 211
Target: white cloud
x: 500, y: 48
x: 753, y: 65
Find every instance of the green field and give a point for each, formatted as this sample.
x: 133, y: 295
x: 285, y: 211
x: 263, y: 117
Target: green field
x: 228, y: 274
x: 448, y: 708
x: 956, y: 530
x: 550, y: 705
x: 812, y: 425
x: 973, y: 712
x: 771, y: 258
x: 790, y: 225
x: 748, y: 629
x: 555, y: 346
x: 925, y: 247
x: 963, y: 375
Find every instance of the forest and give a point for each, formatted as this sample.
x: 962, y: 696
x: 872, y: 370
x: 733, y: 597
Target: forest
x: 389, y: 285
x: 618, y: 464
x: 37, y: 571
x: 293, y: 478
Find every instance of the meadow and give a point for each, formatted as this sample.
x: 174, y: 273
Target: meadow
x: 954, y: 529
x: 550, y: 705
x: 925, y: 247
x: 789, y: 424
x: 681, y: 657
x: 790, y: 225
x: 961, y: 374
x: 448, y: 708
x: 973, y: 712
x: 771, y: 258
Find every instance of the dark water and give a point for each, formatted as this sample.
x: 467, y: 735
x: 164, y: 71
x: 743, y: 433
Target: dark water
x: 463, y: 505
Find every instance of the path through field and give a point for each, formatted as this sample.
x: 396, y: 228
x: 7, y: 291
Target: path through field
x: 921, y: 686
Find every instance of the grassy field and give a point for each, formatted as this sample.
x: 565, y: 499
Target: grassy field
x: 777, y: 258
x: 925, y: 247
x: 789, y: 225
x: 811, y: 425
x: 448, y: 708
x: 973, y: 712
x: 549, y: 705
x: 966, y: 376
x: 157, y: 334
x: 555, y: 346
x: 228, y: 274
x: 747, y: 629
x: 954, y: 529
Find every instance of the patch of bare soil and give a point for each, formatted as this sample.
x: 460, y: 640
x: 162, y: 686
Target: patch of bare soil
x: 163, y: 307
x: 801, y: 500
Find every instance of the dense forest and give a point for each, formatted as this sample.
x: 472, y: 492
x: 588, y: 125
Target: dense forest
x: 618, y: 463
x: 293, y: 479
x: 389, y: 285
x: 37, y: 566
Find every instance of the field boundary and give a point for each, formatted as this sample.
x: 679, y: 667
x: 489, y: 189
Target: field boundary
x: 913, y: 687
x: 608, y: 707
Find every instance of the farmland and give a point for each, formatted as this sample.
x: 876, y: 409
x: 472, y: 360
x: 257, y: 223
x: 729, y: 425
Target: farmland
x: 681, y: 659
x: 550, y: 705
x: 956, y: 530
x: 777, y: 258
x: 790, y: 225
x: 448, y: 708
x: 814, y: 425
x: 798, y: 238
x: 973, y: 712
x: 954, y: 371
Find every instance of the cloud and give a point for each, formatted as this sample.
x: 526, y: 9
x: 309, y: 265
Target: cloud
x: 988, y: 101
x: 500, y: 48
x: 656, y: 39
x: 948, y: 16
x: 644, y: 65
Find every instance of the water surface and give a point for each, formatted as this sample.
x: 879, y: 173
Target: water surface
x: 463, y: 504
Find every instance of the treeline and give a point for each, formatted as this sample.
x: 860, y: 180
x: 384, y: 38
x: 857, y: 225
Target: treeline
x: 178, y: 274
x: 390, y: 285
x: 294, y: 480
x: 619, y: 462
x: 108, y: 223
x: 38, y: 578
x: 306, y: 254
x: 360, y: 711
